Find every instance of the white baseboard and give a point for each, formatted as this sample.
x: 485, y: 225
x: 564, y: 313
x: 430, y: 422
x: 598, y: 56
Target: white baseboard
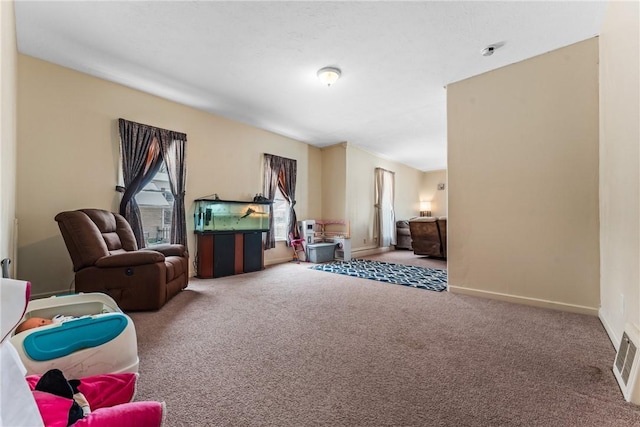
x: 535, y: 302
x: 360, y: 252
x: 373, y: 250
x: 615, y: 339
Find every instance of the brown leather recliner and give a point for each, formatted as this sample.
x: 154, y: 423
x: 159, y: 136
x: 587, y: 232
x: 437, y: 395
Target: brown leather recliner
x: 442, y: 226
x: 403, y: 235
x: 106, y: 259
x: 426, y: 237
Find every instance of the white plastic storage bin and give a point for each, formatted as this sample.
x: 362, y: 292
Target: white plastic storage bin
x: 100, y: 339
x: 321, y: 252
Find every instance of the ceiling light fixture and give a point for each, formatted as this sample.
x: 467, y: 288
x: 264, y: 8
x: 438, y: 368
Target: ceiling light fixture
x: 328, y: 75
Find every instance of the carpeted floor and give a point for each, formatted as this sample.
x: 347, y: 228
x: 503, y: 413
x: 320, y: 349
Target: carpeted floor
x: 399, y: 274
x: 290, y: 346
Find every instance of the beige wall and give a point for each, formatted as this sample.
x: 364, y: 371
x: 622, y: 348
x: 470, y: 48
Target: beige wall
x: 619, y: 168
x: 8, y: 76
x: 67, y: 158
x: 348, y: 191
x: 523, y: 181
x: 334, y: 177
x: 360, y: 194
x: 430, y: 192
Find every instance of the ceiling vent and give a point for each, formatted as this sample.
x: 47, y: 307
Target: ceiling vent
x: 626, y: 365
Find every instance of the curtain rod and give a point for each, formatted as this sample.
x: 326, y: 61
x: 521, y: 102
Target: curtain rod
x: 275, y: 155
x: 386, y: 170
x: 176, y: 133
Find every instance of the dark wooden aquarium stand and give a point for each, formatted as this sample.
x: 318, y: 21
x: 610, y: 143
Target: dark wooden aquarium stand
x: 223, y: 254
x: 229, y: 236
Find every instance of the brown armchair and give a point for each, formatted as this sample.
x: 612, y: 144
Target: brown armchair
x: 403, y: 235
x: 442, y: 226
x: 427, y: 237
x: 106, y: 259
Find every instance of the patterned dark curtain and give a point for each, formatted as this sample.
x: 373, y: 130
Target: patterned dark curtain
x: 272, y: 167
x: 280, y: 172
x: 143, y: 148
x: 172, y: 145
x: 140, y: 161
x: 287, y: 184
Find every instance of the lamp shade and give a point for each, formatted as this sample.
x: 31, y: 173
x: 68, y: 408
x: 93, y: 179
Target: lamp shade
x: 425, y: 206
x: 328, y: 75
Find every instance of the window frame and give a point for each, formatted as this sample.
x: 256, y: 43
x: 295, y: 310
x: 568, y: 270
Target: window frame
x: 168, y: 213
x: 279, y: 198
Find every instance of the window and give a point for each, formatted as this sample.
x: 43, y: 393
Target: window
x: 280, y: 216
x: 152, y: 162
x: 155, y: 202
x: 385, y: 216
x: 280, y: 186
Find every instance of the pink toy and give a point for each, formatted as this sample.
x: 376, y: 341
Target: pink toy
x: 109, y: 395
x: 298, y: 246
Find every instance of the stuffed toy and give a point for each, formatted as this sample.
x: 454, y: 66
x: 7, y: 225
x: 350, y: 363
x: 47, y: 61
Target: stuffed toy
x: 54, y: 382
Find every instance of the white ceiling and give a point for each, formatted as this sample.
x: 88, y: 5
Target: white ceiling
x: 256, y: 62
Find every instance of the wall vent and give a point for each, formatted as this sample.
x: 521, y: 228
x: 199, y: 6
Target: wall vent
x: 625, y: 367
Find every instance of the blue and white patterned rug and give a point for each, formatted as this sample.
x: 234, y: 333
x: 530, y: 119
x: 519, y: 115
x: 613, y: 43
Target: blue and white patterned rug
x: 407, y: 275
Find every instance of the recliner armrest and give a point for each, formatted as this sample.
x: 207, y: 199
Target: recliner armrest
x: 168, y: 249
x: 130, y: 259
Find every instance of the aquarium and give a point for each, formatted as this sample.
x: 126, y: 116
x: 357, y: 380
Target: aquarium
x: 230, y: 215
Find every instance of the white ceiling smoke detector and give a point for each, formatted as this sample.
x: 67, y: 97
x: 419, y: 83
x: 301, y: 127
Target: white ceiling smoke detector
x: 489, y: 50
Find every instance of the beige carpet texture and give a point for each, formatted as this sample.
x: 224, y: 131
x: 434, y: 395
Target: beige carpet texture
x: 289, y: 346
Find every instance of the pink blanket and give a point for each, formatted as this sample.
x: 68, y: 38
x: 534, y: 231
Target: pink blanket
x: 109, y: 397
